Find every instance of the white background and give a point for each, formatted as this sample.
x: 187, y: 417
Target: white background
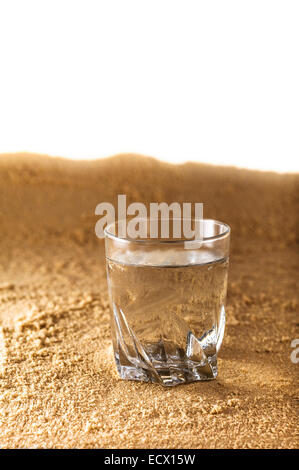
x: 212, y: 81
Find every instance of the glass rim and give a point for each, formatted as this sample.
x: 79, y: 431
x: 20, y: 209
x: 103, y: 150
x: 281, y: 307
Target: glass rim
x: 160, y: 241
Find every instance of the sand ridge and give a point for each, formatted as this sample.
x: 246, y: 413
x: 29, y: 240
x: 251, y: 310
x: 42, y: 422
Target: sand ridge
x: 58, y: 384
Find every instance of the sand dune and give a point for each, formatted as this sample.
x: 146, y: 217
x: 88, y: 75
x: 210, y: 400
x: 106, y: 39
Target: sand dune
x: 58, y: 382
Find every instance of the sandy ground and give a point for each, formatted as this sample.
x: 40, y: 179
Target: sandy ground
x: 58, y: 383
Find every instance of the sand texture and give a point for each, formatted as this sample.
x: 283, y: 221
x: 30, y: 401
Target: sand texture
x: 58, y: 383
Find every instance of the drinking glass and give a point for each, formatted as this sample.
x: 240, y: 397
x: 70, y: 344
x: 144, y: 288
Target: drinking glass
x: 167, y: 299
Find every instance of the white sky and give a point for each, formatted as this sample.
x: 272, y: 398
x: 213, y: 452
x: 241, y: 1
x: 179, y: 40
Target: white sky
x: 212, y: 81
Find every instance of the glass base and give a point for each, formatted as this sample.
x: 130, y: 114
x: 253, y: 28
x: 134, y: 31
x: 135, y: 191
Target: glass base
x: 170, y: 375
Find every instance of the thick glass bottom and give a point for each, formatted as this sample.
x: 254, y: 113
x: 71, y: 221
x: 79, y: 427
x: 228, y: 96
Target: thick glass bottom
x: 170, y: 375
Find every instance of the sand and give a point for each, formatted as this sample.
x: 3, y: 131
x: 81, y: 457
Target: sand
x: 58, y: 383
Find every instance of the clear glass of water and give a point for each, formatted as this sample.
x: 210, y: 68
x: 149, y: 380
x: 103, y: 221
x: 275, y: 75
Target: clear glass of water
x: 168, y: 304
